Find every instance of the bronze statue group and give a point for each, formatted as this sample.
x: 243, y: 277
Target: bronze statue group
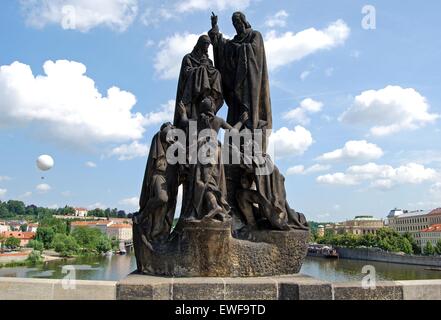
x: 215, y: 190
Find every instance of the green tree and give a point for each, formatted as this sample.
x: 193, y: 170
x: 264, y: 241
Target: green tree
x: 438, y: 247
x: 406, y: 246
x: 34, y: 258
x: 36, y: 245
x: 45, y: 235
x: 4, y: 212
x: 23, y: 227
x: 12, y: 243
x: 429, y: 250
x: 66, y: 245
x: 16, y: 207
x: 104, y: 245
x: 415, y: 247
x: 87, y: 238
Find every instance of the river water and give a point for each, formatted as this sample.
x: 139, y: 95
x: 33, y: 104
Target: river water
x: 116, y: 267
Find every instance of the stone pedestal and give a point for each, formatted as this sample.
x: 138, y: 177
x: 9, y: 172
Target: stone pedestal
x: 297, y: 287
x: 207, y: 249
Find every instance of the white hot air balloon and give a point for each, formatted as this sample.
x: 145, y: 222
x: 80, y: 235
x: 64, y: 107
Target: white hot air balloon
x: 45, y: 162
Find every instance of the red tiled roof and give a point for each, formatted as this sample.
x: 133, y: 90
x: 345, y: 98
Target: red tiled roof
x: 89, y: 223
x: 120, y: 226
x: 435, y: 212
x: 19, y: 235
x: 433, y: 228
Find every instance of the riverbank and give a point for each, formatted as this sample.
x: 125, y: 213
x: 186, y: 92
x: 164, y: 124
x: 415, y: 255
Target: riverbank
x: 370, y: 254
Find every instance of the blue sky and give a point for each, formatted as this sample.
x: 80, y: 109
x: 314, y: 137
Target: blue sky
x: 356, y: 110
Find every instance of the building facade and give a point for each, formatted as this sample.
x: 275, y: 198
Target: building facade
x: 24, y: 237
x: 431, y: 234
x: 81, y: 212
x: 414, y: 222
x: 360, y: 225
x: 121, y: 232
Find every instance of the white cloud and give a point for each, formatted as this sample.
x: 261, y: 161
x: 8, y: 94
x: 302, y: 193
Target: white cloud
x: 130, y: 202
x: 25, y: 195
x: 329, y: 72
x: 338, y: 178
x: 214, y: 5
x: 354, y: 151
x: 390, y: 110
x: 281, y: 49
x: 97, y: 205
x: 66, y: 105
x: 285, y: 142
x: 130, y: 151
x: 304, y: 75
x: 277, y: 20
x: 168, y: 60
x: 4, y: 178
x: 43, y: 188
x: 300, y: 114
x: 290, y: 47
x: 381, y: 176
x: 436, y: 189
x: 3, y: 192
x: 165, y: 114
x: 153, y: 16
x: 82, y: 15
x: 90, y: 164
x: 300, y: 169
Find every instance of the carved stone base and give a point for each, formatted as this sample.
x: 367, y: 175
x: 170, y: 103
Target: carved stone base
x: 207, y: 249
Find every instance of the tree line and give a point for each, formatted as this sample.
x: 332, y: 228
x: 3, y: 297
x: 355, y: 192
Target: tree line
x: 385, y: 239
x: 14, y: 209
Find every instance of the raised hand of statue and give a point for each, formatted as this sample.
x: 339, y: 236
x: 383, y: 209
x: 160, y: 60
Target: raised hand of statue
x: 214, y: 20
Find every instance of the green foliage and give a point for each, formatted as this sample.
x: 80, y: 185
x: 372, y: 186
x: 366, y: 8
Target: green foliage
x: 36, y: 245
x: 46, y: 236
x: 92, y: 240
x: 34, y: 258
x: 385, y: 238
x: 12, y: 243
x: 429, y: 250
x: 438, y: 247
x: 104, y: 245
x: 66, y: 245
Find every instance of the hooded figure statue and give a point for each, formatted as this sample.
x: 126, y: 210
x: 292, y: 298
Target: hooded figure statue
x: 198, y: 79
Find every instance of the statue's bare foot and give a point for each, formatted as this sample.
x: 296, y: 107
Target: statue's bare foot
x: 217, y: 214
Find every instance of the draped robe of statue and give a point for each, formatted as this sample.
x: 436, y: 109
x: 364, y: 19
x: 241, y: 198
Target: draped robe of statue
x: 242, y: 63
x: 156, y: 211
x: 198, y: 79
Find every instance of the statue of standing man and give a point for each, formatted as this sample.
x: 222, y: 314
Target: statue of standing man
x: 242, y: 64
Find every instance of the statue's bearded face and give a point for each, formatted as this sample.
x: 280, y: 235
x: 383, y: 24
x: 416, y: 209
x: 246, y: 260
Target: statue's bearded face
x: 238, y: 24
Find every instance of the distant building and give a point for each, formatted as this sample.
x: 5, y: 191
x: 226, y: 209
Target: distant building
x: 112, y: 228
x: 3, y: 227
x: 24, y: 237
x: 431, y: 234
x: 414, y: 222
x: 121, y: 232
x: 360, y: 225
x: 98, y: 224
x: 81, y: 212
x: 321, y: 231
x: 32, y: 227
